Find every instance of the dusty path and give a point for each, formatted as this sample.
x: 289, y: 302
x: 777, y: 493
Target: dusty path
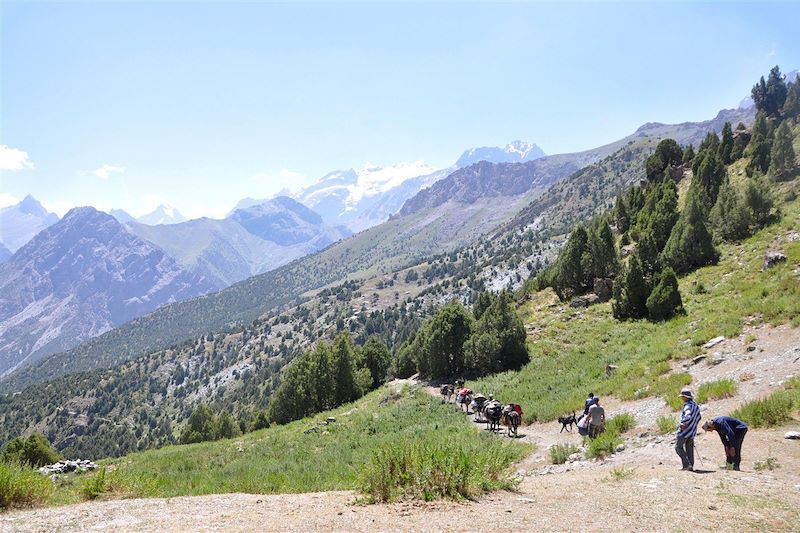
x: 639, y: 489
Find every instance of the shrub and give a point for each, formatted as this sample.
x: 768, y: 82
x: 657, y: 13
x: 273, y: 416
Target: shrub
x: 771, y: 411
x: 95, y: 485
x: 621, y: 423
x: 34, y: 451
x: 22, y: 486
x: 770, y: 463
x: 442, y: 468
x: 716, y: 390
x: 665, y: 300
x: 605, y: 444
x: 666, y: 424
x: 561, y: 452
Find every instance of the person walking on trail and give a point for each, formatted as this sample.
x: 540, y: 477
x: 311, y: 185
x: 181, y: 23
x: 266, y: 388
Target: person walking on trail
x: 687, y: 429
x: 588, y: 403
x: 597, y: 418
x: 731, y: 432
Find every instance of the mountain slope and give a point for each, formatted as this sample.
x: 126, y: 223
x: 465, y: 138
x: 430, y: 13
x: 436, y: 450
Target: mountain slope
x: 20, y: 223
x: 78, y: 278
x: 5, y: 253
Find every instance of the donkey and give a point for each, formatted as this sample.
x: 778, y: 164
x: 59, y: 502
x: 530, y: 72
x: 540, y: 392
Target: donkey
x: 511, y: 420
x: 447, y: 392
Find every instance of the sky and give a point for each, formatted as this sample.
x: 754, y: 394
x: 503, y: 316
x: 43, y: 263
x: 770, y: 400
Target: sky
x: 199, y: 104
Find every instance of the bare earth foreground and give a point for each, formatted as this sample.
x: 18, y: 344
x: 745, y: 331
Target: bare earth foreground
x: 639, y: 489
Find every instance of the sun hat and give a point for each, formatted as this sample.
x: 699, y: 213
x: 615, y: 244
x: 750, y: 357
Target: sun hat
x: 686, y: 393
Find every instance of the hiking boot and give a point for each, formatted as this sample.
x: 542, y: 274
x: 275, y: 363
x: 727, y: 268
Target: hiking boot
x: 688, y: 468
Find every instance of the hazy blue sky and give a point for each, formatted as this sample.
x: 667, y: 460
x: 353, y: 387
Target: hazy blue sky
x: 125, y: 104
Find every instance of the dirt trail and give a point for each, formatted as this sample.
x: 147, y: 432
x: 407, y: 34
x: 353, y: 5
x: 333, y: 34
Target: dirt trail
x: 638, y: 489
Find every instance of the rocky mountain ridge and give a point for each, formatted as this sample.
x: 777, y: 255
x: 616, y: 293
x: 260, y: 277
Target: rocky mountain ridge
x: 78, y: 278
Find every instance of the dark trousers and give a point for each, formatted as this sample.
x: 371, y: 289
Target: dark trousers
x: 685, y: 450
x: 737, y: 446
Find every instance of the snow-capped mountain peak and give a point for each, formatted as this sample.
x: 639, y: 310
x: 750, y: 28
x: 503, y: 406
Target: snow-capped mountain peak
x: 163, y: 214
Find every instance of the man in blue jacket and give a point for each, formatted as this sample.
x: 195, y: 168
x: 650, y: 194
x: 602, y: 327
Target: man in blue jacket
x: 731, y: 432
x: 687, y: 429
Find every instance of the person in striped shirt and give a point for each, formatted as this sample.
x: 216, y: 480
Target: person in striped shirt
x: 687, y: 429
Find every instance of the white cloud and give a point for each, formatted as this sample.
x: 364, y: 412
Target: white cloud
x: 106, y: 170
x: 284, y: 179
x: 59, y: 207
x: 13, y: 159
x: 7, y: 200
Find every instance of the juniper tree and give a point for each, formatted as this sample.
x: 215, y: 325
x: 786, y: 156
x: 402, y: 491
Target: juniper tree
x: 574, y: 265
x: 710, y: 174
x: 690, y: 245
x: 758, y: 200
x: 783, y: 163
x: 665, y: 301
x: 688, y: 155
x: 760, y: 145
x: 726, y: 144
x: 603, y: 250
x: 791, y: 108
x: 630, y: 292
x: 621, y: 217
x: 498, y: 339
x: 729, y: 217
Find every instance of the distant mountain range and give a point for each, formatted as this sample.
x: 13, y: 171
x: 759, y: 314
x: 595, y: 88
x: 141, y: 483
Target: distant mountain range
x: 249, y: 241
x: 19, y: 223
x: 80, y: 277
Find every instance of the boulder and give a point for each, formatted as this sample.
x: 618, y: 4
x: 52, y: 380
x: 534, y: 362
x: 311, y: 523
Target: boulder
x: 603, y: 288
x: 713, y: 342
x: 794, y: 435
x: 584, y: 301
x: 64, y: 466
x: 772, y: 258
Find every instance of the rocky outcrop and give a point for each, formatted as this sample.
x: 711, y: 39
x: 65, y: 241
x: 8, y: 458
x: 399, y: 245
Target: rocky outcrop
x: 603, y: 288
x: 65, y: 466
x: 772, y: 258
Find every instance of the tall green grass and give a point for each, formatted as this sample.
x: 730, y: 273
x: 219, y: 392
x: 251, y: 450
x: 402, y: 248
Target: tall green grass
x: 22, y: 486
x: 774, y: 410
x: 561, y: 452
x: 572, y: 348
x: 438, y: 467
x: 717, y: 390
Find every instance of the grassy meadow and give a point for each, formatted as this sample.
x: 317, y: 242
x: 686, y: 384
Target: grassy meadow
x: 361, y: 450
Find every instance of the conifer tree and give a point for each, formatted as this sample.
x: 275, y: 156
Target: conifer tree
x: 667, y: 153
x: 759, y: 94
x: 726, y: 144
x: 760, y: 145
x: 630, y: 292
x: 690, y: 245
x: 665, y: 214
x: 776, y: 92
x: 498, y: 339
x: 647, y: 251
x: 711, y: 143
x: 710, y: 174
x: 783, y: 162
x: 665, y: 301
x: 343, y: 367
x: 688, y: 155
x: 729, y: 217
x: 603, y: 250
x: 758, y: 201
x: 791, y: 108
x: 377, y: 358
x: 573, y: 268
x: 621, y: 217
